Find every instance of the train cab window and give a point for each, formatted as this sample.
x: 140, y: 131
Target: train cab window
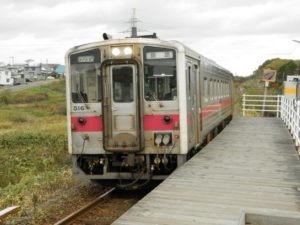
x: 160, y: 81
x: 85, y: 77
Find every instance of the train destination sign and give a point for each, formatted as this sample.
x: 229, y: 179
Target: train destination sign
x: 269, y: 75
x: 86, y: 58
x: 159, y: 55
x: 90, y: 56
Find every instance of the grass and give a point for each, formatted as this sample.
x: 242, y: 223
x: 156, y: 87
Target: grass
x: 252, y: 86
x: 34, y: 160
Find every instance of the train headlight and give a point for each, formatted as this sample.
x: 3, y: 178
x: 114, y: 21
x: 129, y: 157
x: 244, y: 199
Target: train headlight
x: 121, y: 51
x: 127, y: 51
x: 163, y: 139
x: 158, y: 139
x: 166, y: 139
x: 115, y: 51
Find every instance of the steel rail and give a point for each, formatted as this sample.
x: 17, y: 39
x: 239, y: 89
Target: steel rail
x: 7, y: 212
x: 71, y: 217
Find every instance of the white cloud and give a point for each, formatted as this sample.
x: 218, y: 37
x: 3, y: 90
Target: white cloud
x: 237, y: 34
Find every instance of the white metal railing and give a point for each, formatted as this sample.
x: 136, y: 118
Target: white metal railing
x: 288, y: 109
x: 261, y: 104
x: 290, y: 114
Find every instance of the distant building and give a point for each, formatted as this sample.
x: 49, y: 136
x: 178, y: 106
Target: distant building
x: 22, y: 73
x: 17, y: 71
x: 32, y: 73
x: 60, y: 70
x: 37, y: 72
x: 9, y: 77
x: 6, y: 78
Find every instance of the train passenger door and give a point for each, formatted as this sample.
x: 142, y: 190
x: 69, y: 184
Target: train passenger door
x: 121, y: 111
x: 199, y: 101
x: 192, y: 106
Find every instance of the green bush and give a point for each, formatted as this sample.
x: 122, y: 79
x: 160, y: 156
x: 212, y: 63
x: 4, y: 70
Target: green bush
x: 5, y: 97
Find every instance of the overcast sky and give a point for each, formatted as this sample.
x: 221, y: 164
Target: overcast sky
x: 237, y: 34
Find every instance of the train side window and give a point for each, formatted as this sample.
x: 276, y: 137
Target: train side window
x: 220, y: 89
x: 222, y: 93
x: 227, y: 89
x: 205, y: 89
x: 160, y: 81
x: 210, y: 89
x: 215, y: 90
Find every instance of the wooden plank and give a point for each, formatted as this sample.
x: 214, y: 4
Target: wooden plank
x: 252, y: 166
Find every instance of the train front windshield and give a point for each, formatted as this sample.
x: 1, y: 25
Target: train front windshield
x: 85, y: 77
x: 160, y: 74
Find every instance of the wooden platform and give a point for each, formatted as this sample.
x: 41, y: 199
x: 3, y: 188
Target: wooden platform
x: 250, y: 173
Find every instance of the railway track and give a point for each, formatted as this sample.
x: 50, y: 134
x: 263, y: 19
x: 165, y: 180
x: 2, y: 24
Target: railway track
x: 73, y: 216
x: 104, y: 209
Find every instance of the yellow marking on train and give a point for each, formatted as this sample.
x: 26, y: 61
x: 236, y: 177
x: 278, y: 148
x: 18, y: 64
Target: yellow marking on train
x: 290, y: 90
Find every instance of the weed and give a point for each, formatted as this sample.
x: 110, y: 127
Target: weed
x: 6, y: 97
x: 33, y: 143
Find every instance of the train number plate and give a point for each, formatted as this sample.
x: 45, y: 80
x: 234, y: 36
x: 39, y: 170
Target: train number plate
x: 78, y: 108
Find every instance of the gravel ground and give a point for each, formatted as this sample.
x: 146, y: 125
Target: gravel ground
x: 58, y: 205
x: 64, y: 202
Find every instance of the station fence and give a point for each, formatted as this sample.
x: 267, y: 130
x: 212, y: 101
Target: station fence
x: 288, y: 109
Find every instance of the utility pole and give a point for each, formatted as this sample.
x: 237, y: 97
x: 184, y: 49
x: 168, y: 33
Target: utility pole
x: 265, y: 97
x: 133, y: 21
x: 12, y: 60
x: 133, y: 30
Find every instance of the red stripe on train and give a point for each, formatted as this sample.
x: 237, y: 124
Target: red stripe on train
x: 209, y: 109
x: 151, y: 122
x: 156, y: 122
x: 90, y: 124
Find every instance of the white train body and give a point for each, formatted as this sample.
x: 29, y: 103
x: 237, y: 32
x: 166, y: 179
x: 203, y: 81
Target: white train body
x: 141, y: 106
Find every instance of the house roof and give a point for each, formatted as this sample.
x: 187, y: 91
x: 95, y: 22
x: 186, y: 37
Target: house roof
x: 60, y: 69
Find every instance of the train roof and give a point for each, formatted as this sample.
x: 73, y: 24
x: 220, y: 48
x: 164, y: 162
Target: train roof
x: 153, y: 41
x: 195, y: 54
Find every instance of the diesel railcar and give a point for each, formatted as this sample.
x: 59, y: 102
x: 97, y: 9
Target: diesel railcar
x: 140, y: 107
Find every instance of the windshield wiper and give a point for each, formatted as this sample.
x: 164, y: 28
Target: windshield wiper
x: 83, y: 100
x: 154, y: 98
